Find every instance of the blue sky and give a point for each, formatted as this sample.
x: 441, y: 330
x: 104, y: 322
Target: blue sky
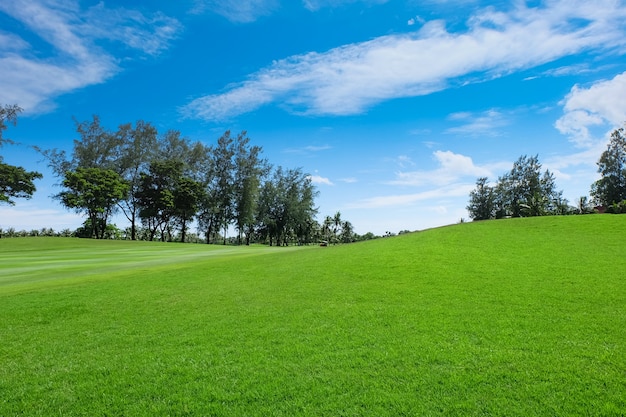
x: 394, y: 107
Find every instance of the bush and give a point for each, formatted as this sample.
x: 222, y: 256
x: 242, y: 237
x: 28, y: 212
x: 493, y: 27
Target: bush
x: 617, y: 208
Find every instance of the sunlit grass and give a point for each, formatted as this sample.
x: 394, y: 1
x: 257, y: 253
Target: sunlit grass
x: 517, y: 317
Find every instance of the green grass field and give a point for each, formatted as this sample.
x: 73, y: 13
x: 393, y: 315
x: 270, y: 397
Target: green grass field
x: 516, y: 317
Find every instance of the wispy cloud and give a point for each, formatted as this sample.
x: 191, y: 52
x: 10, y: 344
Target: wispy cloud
x: 577, y: 69
x: 314, y: 5
x: 32, y: 79
x: 239, y: 11
x: 403, y: 200
x: 308, y: 149
x: 488, y: 123
x: 350, y: 79
x: 601, y: 104
x: 404, y: 161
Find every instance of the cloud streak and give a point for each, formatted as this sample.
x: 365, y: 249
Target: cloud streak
x: 314, y: 5
x: 352, y: 78
x: 33, y: 78
x: 487, y: 123
x: 238, y: 11
x: 403, y: 200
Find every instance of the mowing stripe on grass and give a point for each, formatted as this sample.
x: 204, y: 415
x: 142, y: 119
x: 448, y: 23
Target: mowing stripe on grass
x: 26, y: 261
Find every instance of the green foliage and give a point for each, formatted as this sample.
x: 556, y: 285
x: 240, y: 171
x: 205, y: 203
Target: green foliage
x: 138, y: 148
x: 522, y: 192
x: 8, y: 114
x: 482, y: 201
x: 172, y: 181
x: 617, y: 208
x: 460, y: 320
x: 611, y: 187
x: 286, y: 208
x: 249, y: 170
x: 95, y: 192
x: 16, y: 182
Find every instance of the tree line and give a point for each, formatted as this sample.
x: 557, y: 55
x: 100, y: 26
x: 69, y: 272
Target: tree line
x: 163, y: 183
x: 527, y: 191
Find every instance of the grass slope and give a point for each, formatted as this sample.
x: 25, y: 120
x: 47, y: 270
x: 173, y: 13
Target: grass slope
x: 516, y: 317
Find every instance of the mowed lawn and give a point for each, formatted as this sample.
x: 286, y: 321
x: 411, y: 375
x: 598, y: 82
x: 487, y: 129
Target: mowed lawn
x: 518, y: 317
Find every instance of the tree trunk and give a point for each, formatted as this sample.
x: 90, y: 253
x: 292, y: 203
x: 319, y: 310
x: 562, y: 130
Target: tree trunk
x: 183, y: 231
x: 133, y: 227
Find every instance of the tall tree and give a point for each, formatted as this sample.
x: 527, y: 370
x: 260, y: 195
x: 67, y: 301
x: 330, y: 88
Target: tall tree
x: 15, y: 182
x: 286, y: 208
x: 347, y: 232
x: 249, y: 170
x: 524, y: 191
x: 187, y: 196
x: 481, y: 205
x: 266, y: 214
x: 611, y: 187
x: 156, y: 197
x: 138, y: 149
x: 97, y: 147
x: 327, y: 228
x: 95, y: 192
x: 337, y: 223
x: 217, y: 208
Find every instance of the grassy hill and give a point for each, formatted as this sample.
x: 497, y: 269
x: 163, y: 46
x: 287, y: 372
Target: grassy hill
x: 514, y: 317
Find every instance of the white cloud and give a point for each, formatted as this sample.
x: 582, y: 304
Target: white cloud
x: 403, y: 200
x: 11, y: 43
x: 351, y: 78
x: 486, y: 123
x: 239, y: 11
x: 314, y: 5
x: 32, y: 79
x: 317, y: 148
x: 403, y: 161
x: 452, y: 167
x: 316, y: 179
x: 414, y: 20
x: 602, y: 104
x: 308, y: 149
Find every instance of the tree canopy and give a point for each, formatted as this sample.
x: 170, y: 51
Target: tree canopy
x: 166, y: 181
x: 95, y: 192
x: 611, y: 187
x: 522, y: 192
x: 15, y: 181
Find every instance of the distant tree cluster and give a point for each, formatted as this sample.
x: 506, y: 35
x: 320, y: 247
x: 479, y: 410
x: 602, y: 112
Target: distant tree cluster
x: 164, y: 182
x: 522, y: 192
x: 526, y: 191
